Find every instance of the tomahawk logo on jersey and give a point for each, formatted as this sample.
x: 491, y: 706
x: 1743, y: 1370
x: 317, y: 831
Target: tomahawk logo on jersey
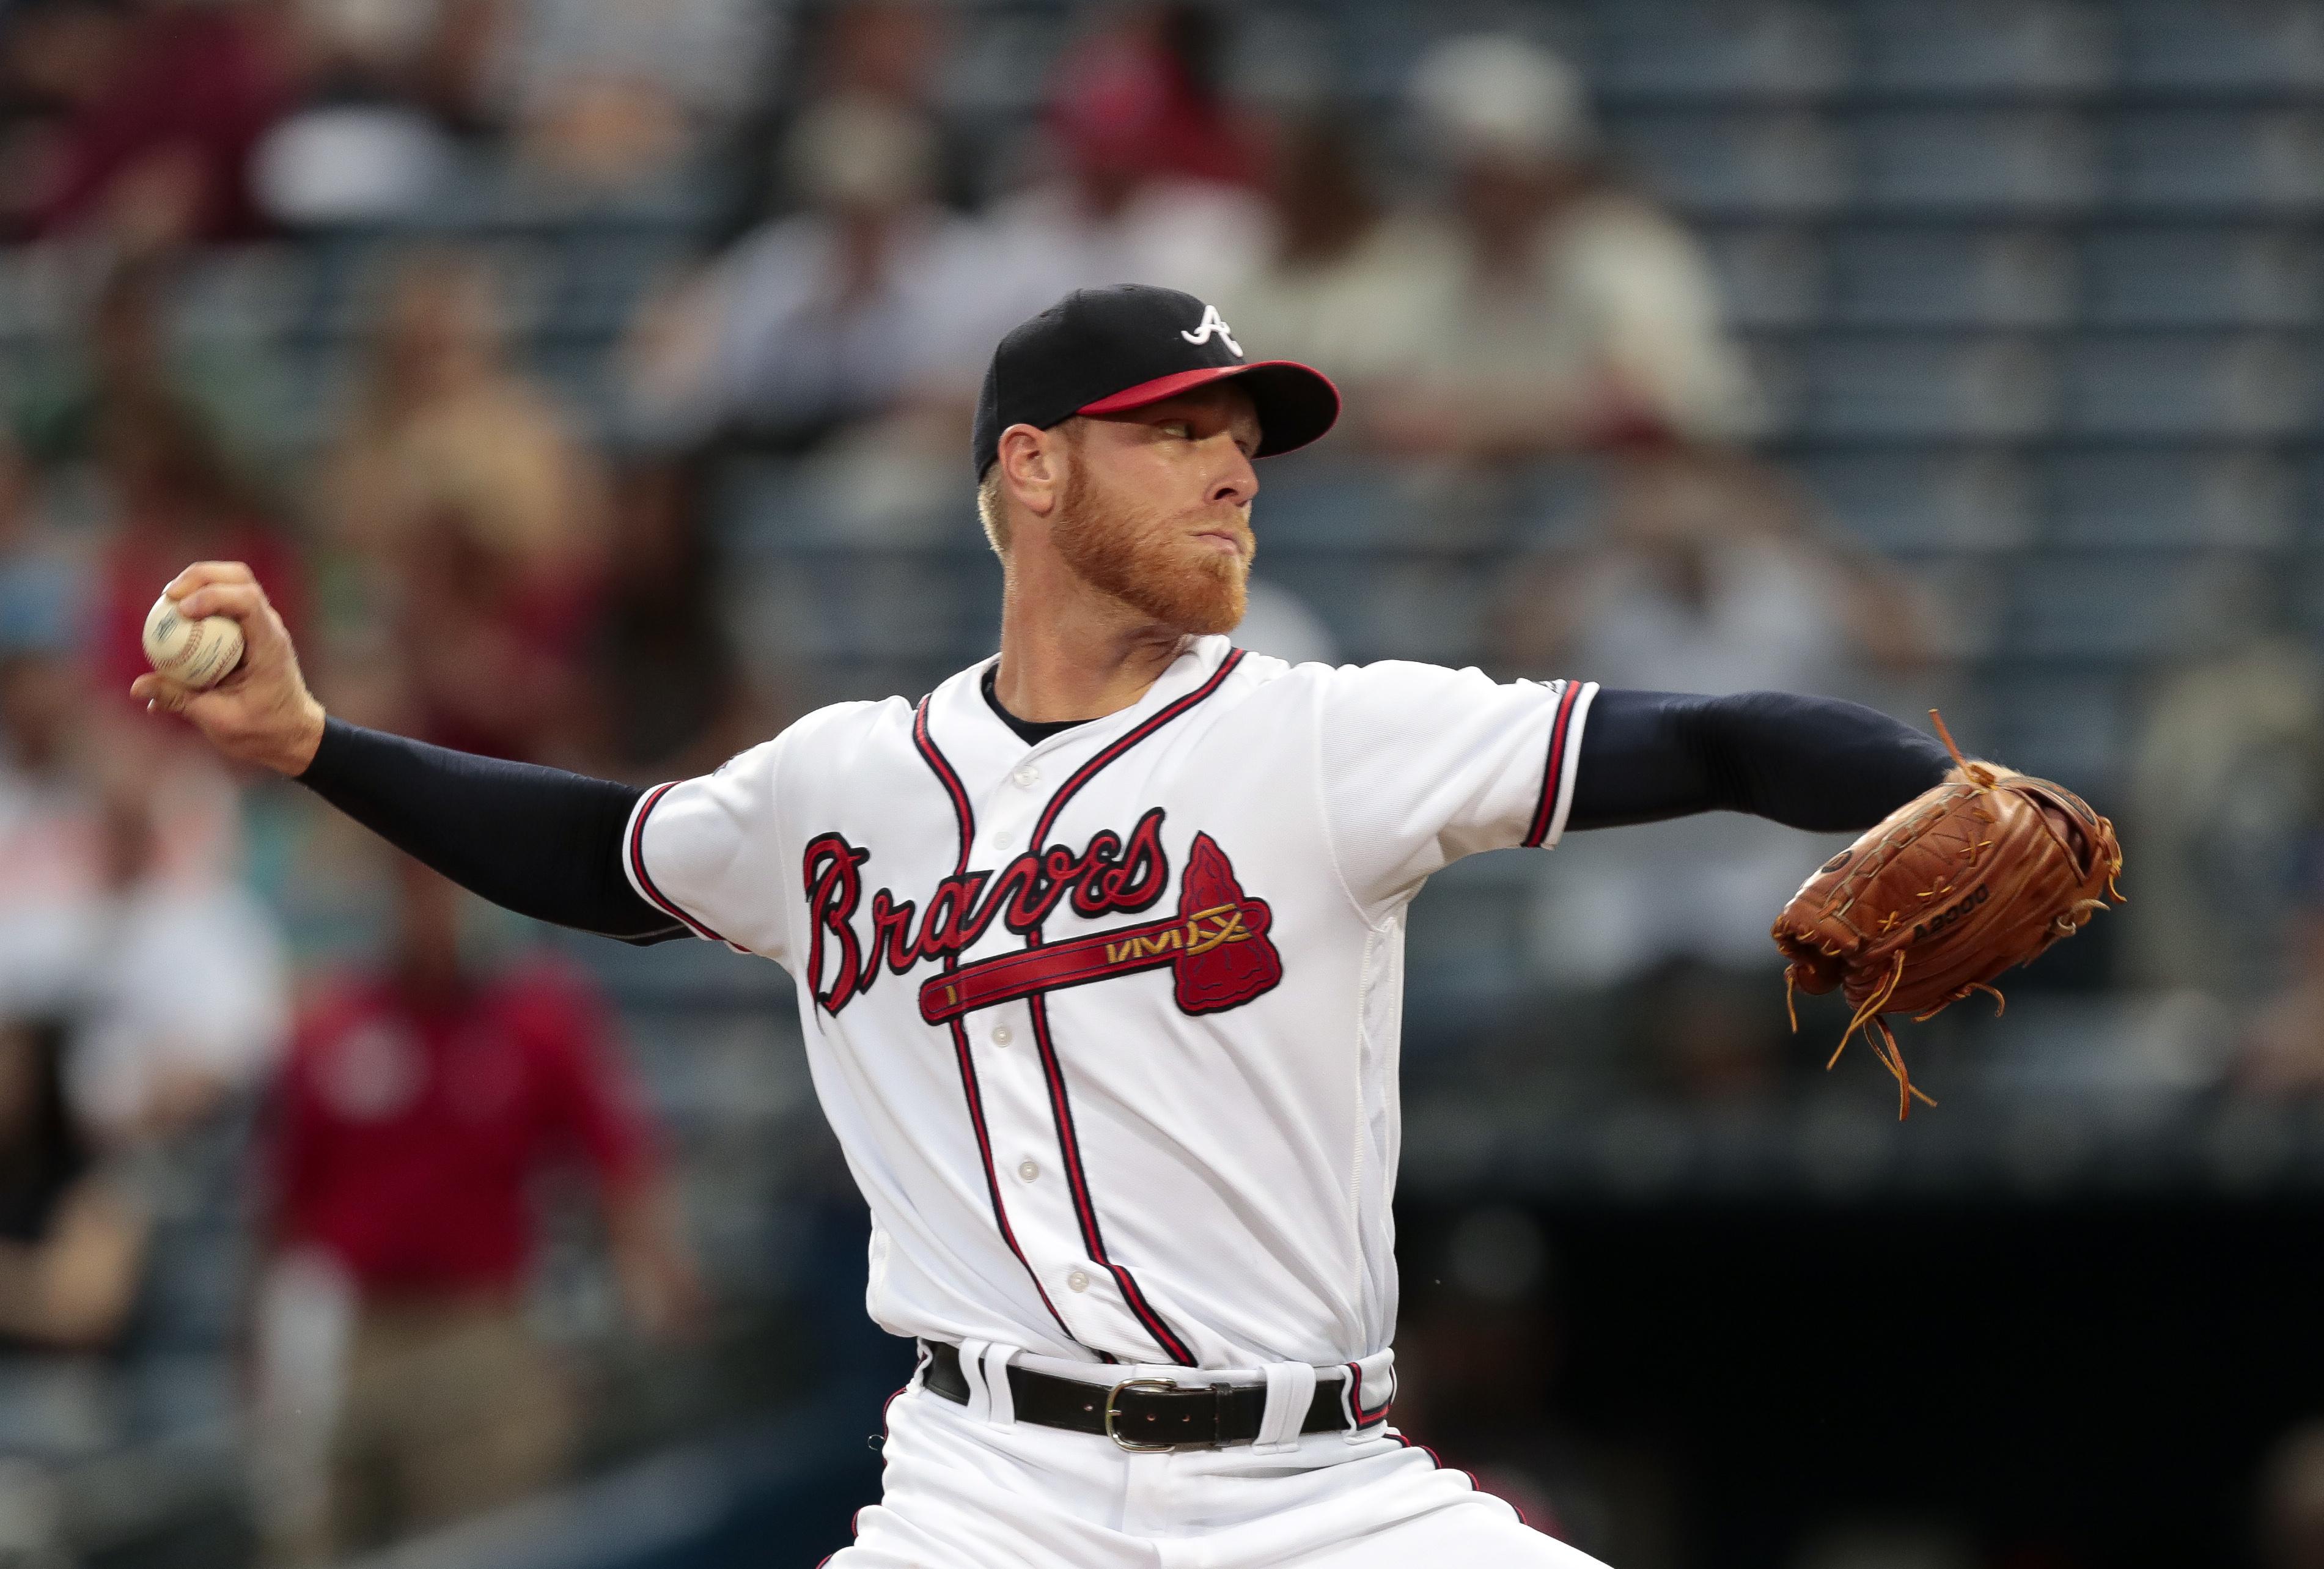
x: 1107, y: 1025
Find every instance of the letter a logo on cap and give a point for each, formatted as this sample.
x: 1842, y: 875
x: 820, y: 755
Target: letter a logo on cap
x: 1213, y: 322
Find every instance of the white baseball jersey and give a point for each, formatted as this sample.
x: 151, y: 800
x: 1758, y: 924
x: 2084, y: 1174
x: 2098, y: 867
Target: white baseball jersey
x: 1107, y: 1026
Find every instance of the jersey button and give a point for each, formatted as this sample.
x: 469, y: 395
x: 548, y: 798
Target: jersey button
x: 1029, y: 1171
x: 1077, y: 1281
x: 1002, y: 1034
x: 1026, y: 776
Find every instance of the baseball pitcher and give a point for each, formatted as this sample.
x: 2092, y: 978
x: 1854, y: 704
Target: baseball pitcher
x: 1099, y: 951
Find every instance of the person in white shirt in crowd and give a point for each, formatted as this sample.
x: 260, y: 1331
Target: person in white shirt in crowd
x: 619, y: 91
x: 184, y: 992
x: 121, y: 915
x: 1582, y: 316
x: 832, y: 313
x: 1348, y: 279
x: 1148, y: 181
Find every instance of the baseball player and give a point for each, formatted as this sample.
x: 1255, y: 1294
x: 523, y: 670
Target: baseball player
x: 1098, y: 950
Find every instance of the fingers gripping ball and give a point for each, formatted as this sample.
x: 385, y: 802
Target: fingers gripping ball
x: 197, y: 653
x: 1959, y: 884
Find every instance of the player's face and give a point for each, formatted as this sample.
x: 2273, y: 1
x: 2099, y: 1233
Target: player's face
x: 1156, y: 509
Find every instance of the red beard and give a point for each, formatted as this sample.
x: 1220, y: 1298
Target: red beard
x: 1147, y: 559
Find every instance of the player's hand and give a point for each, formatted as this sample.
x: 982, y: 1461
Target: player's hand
x: 261, y: 712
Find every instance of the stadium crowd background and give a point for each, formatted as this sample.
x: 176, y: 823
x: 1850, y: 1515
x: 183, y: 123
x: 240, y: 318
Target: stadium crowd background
x: 588, y: 381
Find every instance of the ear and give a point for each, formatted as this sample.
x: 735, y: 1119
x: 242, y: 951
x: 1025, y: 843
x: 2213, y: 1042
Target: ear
x: 1032, y: 467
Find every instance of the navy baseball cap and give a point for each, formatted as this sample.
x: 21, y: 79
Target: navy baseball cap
x: 1102, y: 351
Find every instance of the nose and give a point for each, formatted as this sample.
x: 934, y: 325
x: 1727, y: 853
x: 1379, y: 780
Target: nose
x: 1237, y: 482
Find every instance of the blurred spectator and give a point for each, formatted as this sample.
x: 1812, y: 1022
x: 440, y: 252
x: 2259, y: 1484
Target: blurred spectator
x: 1147, y: 187
x: 1713, y: 566
x: 838, y: 312
x: 2226, y: 793
x: 1581, y: 315
x: 54, y: 58
x: 73, y: 1237
x: 183, y: 998
x: 162, y: 105
x: 43, y: 577
x: 2284, y: 1052
x: 419, y: 1105
x: 386, y: 84
x: 668, y: 694
x: 95, y: 826
x: 893, y: 49
x: 481, y: 514
x: 432, y: 56
x: 1145, y: 98
x: 2292, y: 1502
x: 615, y: 91
x: 1348, y: 286
x: 128, y: 358
x: 119, y: 913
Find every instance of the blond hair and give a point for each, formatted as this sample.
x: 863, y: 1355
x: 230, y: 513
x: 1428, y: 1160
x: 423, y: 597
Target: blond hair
x: 992, y: 511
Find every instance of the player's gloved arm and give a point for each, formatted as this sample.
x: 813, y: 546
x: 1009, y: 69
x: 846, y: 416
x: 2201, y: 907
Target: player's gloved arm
x: 537, y: 841
x: 1809, y: 762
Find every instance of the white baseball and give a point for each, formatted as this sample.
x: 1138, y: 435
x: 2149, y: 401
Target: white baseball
x: 195, y: 653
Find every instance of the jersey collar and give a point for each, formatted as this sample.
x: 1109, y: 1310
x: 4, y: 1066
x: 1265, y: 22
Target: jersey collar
x: 964, y: 724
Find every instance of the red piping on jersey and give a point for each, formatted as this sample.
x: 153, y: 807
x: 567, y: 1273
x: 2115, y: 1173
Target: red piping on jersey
x: 637, y: 854
x: 1474, y: 1486
x: 970, y: 1092
x: 1090, y: 768
x: 1554, y: 776
x: 1061, y: 1106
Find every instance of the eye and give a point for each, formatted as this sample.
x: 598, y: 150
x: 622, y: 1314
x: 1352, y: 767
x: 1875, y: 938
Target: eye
x: 1177, y: 429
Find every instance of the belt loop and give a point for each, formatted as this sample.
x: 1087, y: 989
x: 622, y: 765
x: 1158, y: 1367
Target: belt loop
x: 972, y: 1371
x: 1367, y: 1394
x: 1002, y: 1400
x: 1290, y: 1390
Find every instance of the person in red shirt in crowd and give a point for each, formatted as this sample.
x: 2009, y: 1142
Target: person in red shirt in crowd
x: 1142, y: 100
x: 167, y: 104
x: 416, y: 1109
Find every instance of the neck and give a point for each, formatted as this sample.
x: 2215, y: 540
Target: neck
x: 1082, y: 654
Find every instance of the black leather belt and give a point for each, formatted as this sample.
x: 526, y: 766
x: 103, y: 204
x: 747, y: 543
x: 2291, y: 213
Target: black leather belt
x: 1137, y: 1414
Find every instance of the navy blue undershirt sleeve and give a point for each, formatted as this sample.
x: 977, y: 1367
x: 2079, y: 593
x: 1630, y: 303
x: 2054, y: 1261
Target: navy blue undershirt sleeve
x: 1809, y: 762
x: 537, y: 841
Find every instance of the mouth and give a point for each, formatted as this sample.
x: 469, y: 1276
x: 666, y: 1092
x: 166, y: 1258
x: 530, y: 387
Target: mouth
x: 1220, y: 541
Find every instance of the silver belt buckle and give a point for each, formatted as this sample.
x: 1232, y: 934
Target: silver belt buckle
x: 1149, y: 1386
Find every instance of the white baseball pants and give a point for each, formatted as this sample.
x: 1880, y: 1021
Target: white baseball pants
x: 964, y: 1491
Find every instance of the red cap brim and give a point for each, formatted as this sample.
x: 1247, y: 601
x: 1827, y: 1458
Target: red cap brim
x: 1297, y: 403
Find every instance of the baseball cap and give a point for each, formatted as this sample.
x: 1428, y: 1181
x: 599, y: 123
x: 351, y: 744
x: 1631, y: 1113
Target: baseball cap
x: 1103, y: 351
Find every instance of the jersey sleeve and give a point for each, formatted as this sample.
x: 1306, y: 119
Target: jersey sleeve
x: 708, y: 851
x: 1421, y: 765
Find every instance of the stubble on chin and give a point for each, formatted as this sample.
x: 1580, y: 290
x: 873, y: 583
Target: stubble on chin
x: 1130, y: 549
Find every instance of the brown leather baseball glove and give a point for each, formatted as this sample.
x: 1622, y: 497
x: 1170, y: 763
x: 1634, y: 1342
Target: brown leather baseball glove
x: 1957, y: 885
